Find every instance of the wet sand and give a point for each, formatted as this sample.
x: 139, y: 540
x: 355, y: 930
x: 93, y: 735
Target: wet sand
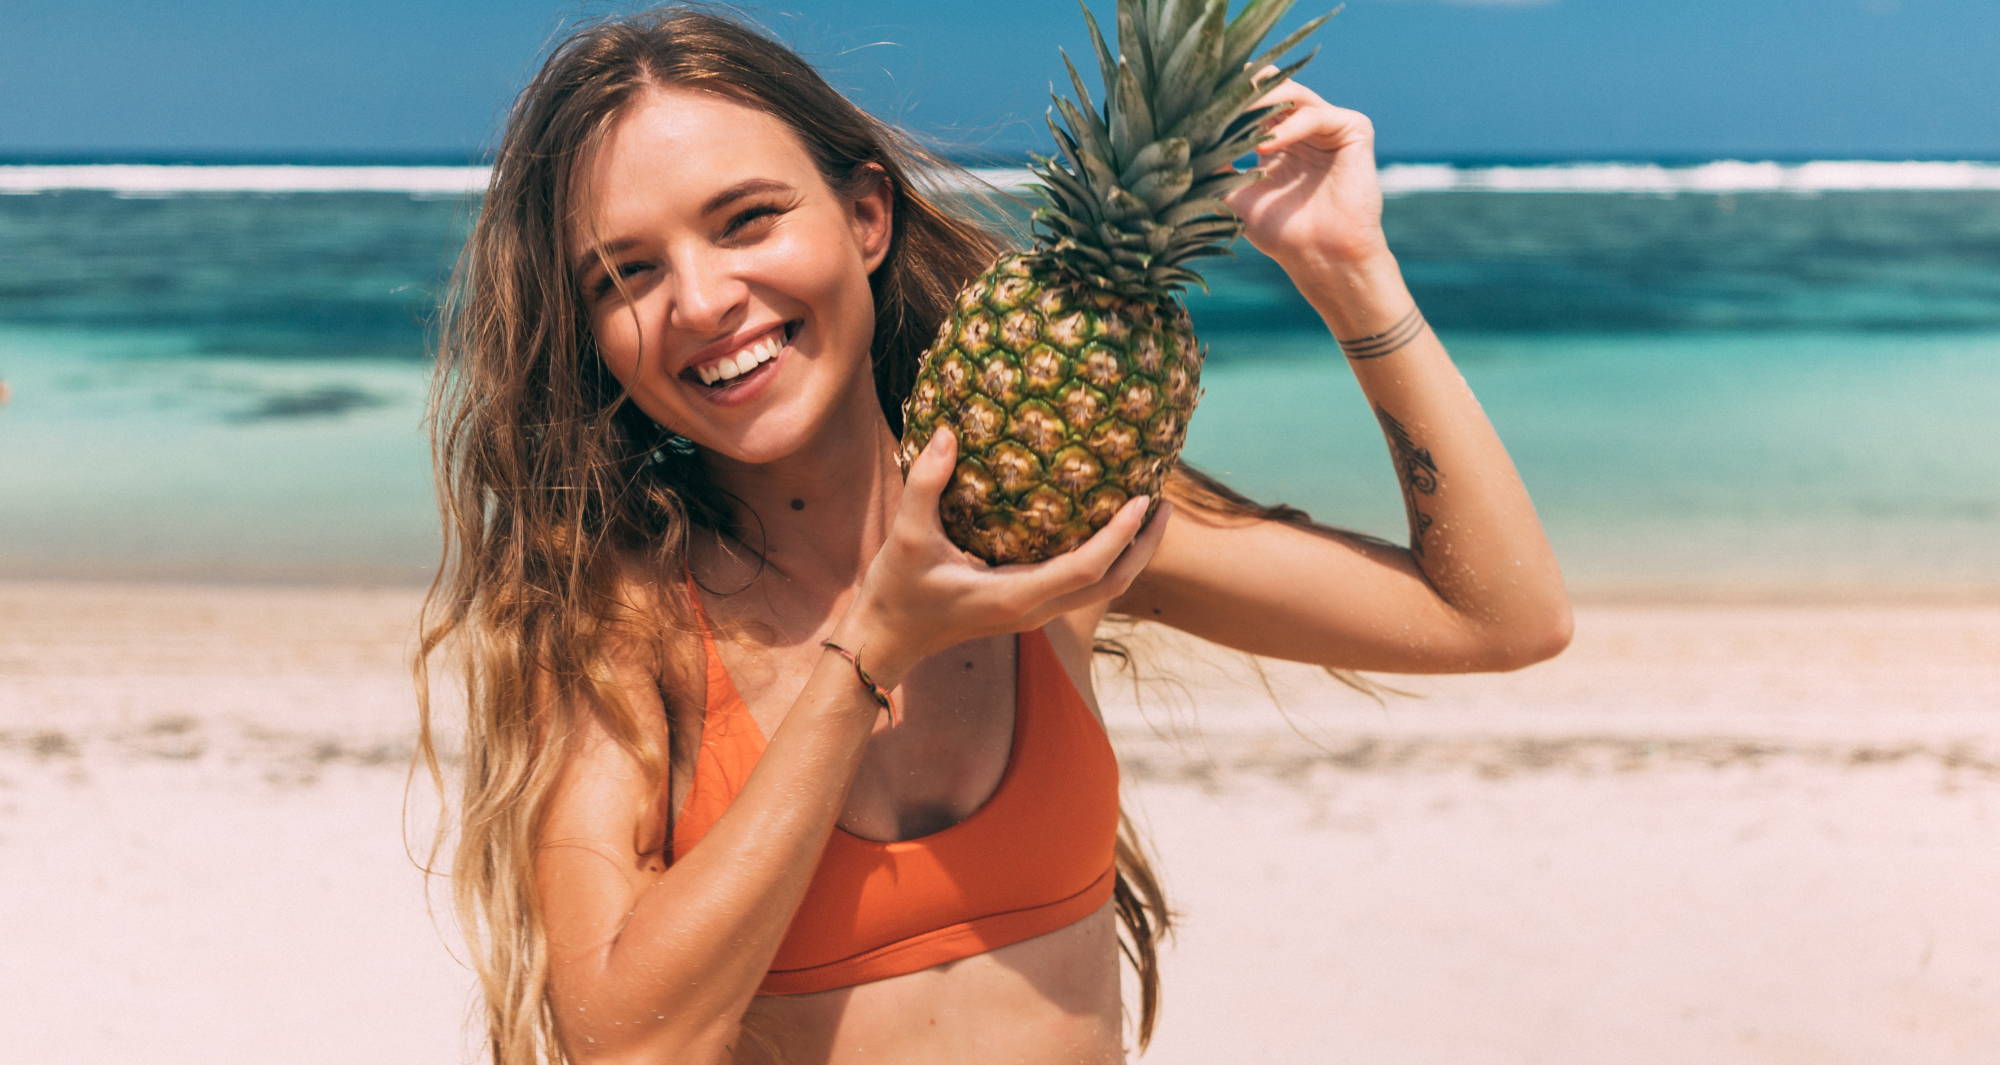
x: 1724, y: 833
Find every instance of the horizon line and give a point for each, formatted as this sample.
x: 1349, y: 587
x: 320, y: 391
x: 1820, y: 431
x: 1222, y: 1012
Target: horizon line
x: 988, y: 158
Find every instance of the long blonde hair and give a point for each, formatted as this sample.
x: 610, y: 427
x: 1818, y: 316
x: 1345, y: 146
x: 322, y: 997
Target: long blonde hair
x: 553, y: 486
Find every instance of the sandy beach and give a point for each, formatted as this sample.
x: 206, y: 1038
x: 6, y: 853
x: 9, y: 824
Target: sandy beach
x: 1708, y: 832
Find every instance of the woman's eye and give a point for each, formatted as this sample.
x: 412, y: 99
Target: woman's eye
x: 750, y: 216
x: 625, y: 271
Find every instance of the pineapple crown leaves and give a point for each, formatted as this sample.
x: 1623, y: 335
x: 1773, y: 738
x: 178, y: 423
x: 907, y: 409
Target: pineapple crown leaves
x: 1136, y: 189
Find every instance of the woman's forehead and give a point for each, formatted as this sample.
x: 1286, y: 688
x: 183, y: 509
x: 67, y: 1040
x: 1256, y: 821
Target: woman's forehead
x: 674, y: 148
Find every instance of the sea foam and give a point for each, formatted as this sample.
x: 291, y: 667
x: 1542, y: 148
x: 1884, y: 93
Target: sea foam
x: 145, y: 179
x: 1726, y: 175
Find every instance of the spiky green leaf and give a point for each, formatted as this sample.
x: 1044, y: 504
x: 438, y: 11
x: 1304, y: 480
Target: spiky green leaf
x: 1066, y: 190
x: 1131, y: 115
x: 1162, y: 187
x: 1076, y: 82
x: 1186, y: 211
x: 1094, y: 254
x: 1133, y: 47
x: 1067, y: 146
x: 1060, y: 224
x: 1191, y: 68
x: 1136, y: 261
x: 1249, y: 27
x: 1093, y: 144
x: 1071, y: 198
x: 1125, y: 206
x: 1169, y: 154
x: 1164, y: 277
x: 1242, y: 124
x: 1206, y: 231
x: 1193, y: 251
x: 1107, y: 64
x: 1291, y: 41
x: 1204, y: 126
x: 1166, y: 21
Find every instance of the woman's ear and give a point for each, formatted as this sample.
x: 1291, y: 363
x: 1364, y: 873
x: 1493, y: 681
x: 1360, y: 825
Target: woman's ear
x: 873, y: 213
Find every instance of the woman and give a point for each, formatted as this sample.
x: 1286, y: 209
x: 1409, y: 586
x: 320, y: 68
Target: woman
x: 688, y: 578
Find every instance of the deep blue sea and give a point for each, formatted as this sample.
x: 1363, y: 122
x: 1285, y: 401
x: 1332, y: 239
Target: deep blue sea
x: 1756, y: 379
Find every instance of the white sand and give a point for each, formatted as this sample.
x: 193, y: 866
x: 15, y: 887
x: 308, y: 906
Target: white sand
x: 1705, y: 834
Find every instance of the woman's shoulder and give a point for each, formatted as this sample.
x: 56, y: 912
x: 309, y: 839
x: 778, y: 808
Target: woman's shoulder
x: 650, y: 677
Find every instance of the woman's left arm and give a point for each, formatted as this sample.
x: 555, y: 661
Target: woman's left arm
x: 1478, y: 587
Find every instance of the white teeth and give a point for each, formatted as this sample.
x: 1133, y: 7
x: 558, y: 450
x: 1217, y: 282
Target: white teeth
x: 742, y: 362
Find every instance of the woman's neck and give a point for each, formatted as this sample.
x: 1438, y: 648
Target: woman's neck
x: 816, y: 517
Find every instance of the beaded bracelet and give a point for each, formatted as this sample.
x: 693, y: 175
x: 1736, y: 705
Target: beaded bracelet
x: 880, y: 693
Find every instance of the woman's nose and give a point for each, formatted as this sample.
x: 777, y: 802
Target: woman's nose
x: 707, y: 297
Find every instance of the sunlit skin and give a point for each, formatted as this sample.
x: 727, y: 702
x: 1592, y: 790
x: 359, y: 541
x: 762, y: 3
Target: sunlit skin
x: 813, y: 457
x: 790, y: 252
x: 852, y: 551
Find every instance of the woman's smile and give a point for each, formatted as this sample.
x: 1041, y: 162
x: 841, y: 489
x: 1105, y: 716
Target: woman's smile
x: 740, y: 374
x: 727, y: 283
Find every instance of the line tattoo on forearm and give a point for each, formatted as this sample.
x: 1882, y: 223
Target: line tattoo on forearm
x: 1379, y: 344
x: 1416, y: 470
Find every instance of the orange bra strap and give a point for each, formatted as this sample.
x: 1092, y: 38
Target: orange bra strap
x: 715, y: 678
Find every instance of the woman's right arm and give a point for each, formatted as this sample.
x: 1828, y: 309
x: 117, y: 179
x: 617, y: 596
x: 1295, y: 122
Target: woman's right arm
x: 659, y: 963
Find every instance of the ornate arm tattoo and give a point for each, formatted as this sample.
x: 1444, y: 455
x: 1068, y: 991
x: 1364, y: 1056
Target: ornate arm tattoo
x: 1386, y: 341
x: 1419, y: 473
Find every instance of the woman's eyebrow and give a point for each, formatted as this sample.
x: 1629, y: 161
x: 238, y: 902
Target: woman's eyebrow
x: 589, y: 256
x: 749, y: 187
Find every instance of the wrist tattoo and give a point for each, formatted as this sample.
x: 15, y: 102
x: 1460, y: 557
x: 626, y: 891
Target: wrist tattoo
x: 1379, y: 344
x: 1417, y: 472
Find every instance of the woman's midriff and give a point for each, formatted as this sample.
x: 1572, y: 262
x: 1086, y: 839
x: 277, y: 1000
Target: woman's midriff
x: 1053, y: 998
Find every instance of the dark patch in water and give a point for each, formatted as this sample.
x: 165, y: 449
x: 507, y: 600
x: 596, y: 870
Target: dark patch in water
x: 325, y: 401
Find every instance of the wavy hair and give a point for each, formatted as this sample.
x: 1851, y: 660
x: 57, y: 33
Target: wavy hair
x: 555, y: 490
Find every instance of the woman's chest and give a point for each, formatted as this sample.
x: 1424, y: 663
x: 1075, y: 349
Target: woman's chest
x: 961, y: 717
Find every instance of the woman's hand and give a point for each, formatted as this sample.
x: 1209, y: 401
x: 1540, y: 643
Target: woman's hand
x: 922, y: 593
x: 1319, y: 203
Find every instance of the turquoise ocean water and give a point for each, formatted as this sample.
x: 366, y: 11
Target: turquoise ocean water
x: 1741, y: 379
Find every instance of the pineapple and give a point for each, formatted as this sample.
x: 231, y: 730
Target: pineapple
x: 1068, y: 372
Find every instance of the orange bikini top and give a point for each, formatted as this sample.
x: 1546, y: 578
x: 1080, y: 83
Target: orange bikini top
x: 1036, y: 856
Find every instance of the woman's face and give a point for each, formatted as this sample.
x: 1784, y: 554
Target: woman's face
x: 750, y: 318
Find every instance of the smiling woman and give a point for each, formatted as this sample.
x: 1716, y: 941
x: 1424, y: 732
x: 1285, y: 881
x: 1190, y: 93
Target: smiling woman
x: 685, y: 578
x: 731, y: 276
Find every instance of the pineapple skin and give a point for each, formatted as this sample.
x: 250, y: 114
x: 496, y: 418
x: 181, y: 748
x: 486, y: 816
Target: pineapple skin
x: 1067, y: 401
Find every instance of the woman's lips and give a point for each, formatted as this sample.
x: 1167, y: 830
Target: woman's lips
x: 734, y: 362
x: 743, y: 388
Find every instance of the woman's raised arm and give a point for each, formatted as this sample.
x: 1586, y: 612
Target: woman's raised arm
x: 1478, y: 587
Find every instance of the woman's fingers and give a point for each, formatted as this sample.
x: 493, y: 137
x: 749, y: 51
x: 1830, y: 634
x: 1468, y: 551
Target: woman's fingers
x: 1135, y: 558
x: 1323, y: 126
x: 1306, y: 118
x: 925, y: 484
x: 1084, y: 566
x: 1130, y: 563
